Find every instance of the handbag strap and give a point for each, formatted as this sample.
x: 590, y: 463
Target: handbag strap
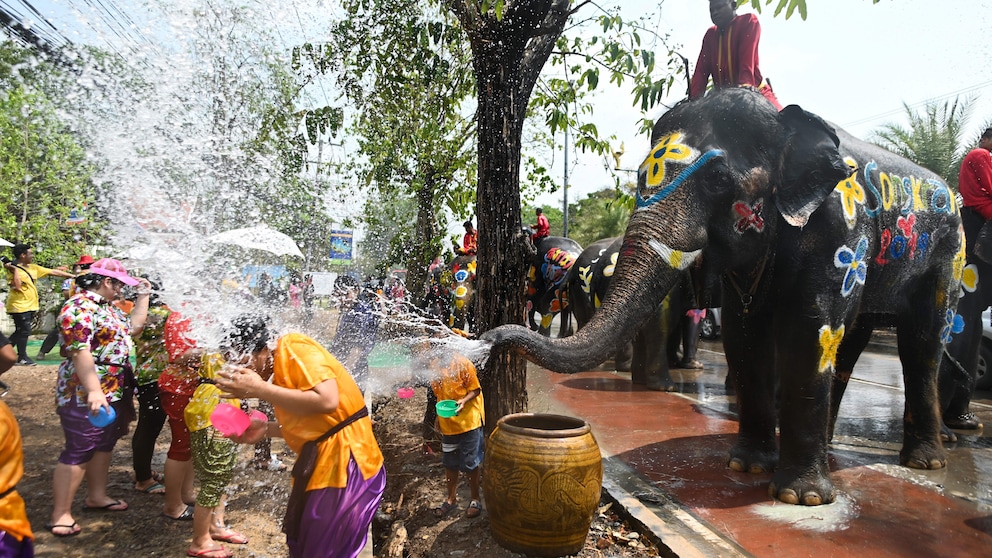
x: 361, y: 413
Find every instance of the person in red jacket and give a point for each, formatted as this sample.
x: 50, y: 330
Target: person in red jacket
x: 975, y: 177
x: 730, y: 53
x: 975, y: 186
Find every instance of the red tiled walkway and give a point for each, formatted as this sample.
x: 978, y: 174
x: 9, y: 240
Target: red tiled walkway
x: 679, y: 443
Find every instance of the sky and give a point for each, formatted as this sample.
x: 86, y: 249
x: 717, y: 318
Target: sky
x: 852, y: 62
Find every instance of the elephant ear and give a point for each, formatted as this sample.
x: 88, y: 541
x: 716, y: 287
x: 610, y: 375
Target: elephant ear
x: 811, y: 165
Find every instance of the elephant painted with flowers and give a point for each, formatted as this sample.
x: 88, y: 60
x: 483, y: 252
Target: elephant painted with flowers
x: 546, y: 294
x: 460, y: 281
x: 818, y: 237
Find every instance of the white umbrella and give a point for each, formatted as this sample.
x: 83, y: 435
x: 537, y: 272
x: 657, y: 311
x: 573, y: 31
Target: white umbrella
x: 4, y: 242
x: 260, y: 237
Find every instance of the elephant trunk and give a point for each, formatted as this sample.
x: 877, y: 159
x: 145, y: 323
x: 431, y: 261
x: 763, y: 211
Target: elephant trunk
x: 642, y: 279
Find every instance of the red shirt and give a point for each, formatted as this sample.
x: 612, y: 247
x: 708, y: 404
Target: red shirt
x: 975, y: 181
x: 543, y: 227
x: 731, y: 57
x: 470, y: 242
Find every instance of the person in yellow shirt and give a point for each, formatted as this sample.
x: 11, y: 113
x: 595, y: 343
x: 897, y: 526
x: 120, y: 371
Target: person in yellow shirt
x: 16, y: 539
x: 338, y: 479
x: 22, y: 301
x: 462, y: 438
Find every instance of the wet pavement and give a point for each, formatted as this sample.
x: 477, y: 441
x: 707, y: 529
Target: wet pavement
x: 666, y: 453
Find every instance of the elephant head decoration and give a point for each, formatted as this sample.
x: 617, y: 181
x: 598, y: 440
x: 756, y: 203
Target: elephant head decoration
x: 811, y: 228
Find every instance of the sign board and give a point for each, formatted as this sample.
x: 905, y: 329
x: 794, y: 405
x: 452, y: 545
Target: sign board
x: 342, y: 242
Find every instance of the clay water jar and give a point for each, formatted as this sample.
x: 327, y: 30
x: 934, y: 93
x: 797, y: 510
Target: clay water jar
x: 542, y: 475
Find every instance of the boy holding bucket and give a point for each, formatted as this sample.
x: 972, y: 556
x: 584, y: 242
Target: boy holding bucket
x: 462, y: 438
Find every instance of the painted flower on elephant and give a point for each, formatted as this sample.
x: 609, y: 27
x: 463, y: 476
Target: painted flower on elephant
x: 608, y: 270
x: 585, y: 276
x: 668, y: 149
x: 969, y: 279
x: 854, y: 263
x: 852, y: 195
x: 829, y: 343
x: 953, y: 324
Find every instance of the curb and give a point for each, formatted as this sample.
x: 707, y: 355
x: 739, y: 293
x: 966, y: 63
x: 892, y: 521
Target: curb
x: 672, y: 528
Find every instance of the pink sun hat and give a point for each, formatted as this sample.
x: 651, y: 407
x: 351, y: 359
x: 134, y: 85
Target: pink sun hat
x: 109, y: 267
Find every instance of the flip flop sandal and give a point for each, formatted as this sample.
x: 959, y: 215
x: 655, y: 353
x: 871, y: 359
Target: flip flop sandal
x: 74, y: 529
x: 474, y: 509
x: 153, y: 488
x: 111, y: 507
x: 210, y: 553
x: 444, y: 509
x: 186, y: 515
x: 232, y: 537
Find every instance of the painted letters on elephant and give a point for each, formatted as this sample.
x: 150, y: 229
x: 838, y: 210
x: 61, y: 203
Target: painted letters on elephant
x: 769, y: 198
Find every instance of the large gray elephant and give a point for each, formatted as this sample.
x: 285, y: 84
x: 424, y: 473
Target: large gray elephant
x: 813, y: 229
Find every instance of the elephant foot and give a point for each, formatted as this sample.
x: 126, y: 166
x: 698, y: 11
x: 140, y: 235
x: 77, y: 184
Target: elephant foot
x: 815, y: 492
x: 691, y: 364
x: 947, y: 435
x: 661, y: 385
x: 744, y: 459
x: 623, y: 366
x: 920, y: 459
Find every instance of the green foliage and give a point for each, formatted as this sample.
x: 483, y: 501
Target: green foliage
x: 602, y: 214
x: 406, y: 70
x: 44, y: 172
x: 934, y: 138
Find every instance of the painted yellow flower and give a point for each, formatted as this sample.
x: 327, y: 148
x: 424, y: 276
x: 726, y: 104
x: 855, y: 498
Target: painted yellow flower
x: 668, y: 149
x: 852, y: 194
x: 829, y: 343
x: 471, y: 267
x: 608, y: 270
x: 969, y: 278
x: 585, y: 276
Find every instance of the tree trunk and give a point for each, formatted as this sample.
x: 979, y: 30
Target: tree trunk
x: 500, y: 275
x: 423, y: 250
x: 507, y: 55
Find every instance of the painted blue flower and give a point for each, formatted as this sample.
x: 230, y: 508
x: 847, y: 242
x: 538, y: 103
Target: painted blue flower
x: 854, y: 262
x: 953, y: 323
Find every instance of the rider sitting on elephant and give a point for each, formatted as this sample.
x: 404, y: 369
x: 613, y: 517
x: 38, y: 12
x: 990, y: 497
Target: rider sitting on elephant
x: 730, y: 53
x: 470, y: 242
x: 542, y: 229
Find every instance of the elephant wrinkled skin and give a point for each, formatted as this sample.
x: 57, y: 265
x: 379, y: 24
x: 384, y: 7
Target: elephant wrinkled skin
x: 817, y: 234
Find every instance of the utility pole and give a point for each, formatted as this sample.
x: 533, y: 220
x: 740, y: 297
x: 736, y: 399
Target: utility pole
x: 564, y: 212
x: 565, y: 190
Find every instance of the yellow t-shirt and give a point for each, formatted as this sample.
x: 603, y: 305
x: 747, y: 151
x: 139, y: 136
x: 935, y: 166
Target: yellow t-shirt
x: 457, y: 378
x: 13, y: 515
x: 26, y: 299
x: 301, y: 363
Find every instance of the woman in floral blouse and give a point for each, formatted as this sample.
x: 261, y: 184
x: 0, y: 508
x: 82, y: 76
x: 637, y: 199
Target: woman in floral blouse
x: 97, y: 373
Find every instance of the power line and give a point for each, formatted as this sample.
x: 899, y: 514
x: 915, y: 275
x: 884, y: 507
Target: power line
x: 925, y: 102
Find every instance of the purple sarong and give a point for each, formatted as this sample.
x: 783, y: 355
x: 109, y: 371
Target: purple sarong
x: 336, y: 521
x: 13, y: 548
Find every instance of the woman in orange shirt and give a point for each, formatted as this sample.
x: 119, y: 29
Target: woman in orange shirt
x: 16, y: 539
x: 338, y: 477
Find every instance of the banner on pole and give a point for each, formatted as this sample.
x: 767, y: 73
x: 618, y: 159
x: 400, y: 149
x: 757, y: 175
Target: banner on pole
x: 341, y: 247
